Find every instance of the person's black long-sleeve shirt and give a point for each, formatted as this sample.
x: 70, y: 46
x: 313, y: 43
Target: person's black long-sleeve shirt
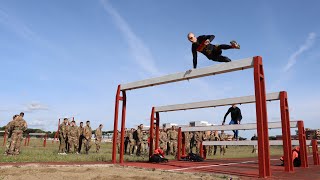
x: 235, y: 114
x: 201, y: 47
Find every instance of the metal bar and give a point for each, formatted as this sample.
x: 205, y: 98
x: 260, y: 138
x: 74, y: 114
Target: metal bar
x: 249, y: 126
x: 249, y: 143
x: 123, y: 124
x: 315, y: 152
x: 261, y: 112
x: 115, y: 127
x: 191, y: 74
x: 215, y: 103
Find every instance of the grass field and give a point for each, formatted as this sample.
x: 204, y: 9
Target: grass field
x: 36, y: 153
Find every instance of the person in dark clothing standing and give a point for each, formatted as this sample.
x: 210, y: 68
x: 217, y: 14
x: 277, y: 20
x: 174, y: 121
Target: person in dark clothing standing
x: 203, y: 45
x: 235, y: 118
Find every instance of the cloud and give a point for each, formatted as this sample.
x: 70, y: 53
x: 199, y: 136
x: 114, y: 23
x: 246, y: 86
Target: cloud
x: 304, y: 47
x: 35, y: 106
x: 141, y: 53
x: 37, y: 123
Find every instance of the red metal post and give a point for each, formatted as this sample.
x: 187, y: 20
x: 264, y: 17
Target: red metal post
x: 179, y: 144
x: 45, y: 140
x: 286, y: 135
x: 157, y: 130
x: 123, y: 124
x: 151, y: 132
x: 302, y: 144
x: 201, y: 150
x: 183, y: 143
x: 4, y: 138
x: 115, y: 127
x: 315, y: 152
x: 262, y: 121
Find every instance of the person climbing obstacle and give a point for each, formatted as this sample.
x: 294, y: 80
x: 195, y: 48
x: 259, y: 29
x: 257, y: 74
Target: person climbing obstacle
x: 213, y: 52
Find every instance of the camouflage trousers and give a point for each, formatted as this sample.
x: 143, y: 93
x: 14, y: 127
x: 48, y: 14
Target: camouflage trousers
x: 16, y: 139
x: 187, y: 146
x: 62, y: 146
x: 73, y: 144
x: 87, y: 144
x: 163, y: 146
x: 198, y: 144
x: 132, y: 146
x: 173, y: 147
x: 144, y: 147
x: 98, y: 143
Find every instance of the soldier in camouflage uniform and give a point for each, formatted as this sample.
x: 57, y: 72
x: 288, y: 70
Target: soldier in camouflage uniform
x: 132, y: 141
x: 87, y: 133
x: 98, y: 135
x: 19, y: 125
x: 81, y: 129
x: 223, y: 137
x: 139, y: 139
x: 206, y: 137
x: 144, y: 145
x: 73, y: 135
x: 187, y: 140
x: 8, y: 131
x: 198, y: 139
x: 173, y: 137
x: 63, y: 136
x: 163, y: 140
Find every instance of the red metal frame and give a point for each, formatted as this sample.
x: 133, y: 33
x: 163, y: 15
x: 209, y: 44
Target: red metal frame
x: 115, y: 127
x: 316, y: 160
x: 151, y: 135
x: 286, y: 134
x: 262, y: 121
x: 179, y: 144
x: 302, y: 144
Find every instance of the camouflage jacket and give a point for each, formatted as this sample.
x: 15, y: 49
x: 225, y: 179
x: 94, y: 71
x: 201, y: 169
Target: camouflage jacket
x: 73, y: 132
x: 173, y: 135
x: 87, y: 133
x: 19, y: 124
x: 63, y: 130
x: 98, y: 133
x: 163, y: 137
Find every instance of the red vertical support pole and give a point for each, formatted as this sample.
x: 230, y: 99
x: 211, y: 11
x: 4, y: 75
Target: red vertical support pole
x: 262, y: 121
x: 315, y: 152
x: 179, y: 144
x: 123, y: 124
x: 286, y: 134
x: 201, y: 150
x: 4, y: 138
x: 157, y: 130
x: 115, y: 127
x: 302, y: 144
x: 151, y: 132
x: 183, y: 143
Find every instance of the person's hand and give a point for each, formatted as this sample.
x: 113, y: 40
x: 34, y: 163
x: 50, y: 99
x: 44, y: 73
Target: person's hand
x: 238, y: 122
x: 223, y: 123
x: 207, y: 42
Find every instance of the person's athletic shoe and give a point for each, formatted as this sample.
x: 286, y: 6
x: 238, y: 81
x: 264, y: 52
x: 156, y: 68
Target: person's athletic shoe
x: 235, y: 45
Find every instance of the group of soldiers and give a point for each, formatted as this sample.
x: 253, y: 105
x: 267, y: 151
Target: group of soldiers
x: 137, y: 141
x: 14, y: 130
x: 72, y: 137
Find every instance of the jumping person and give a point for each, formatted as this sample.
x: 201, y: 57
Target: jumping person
x: 235, y: 118
x: 213, y: 52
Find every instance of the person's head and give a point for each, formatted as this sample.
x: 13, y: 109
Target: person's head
x: 73, y: 123
x: 81, y: 124
x: 173, y: 127
x: 22, y: 114
x: 65, y: 120
x: 141, y: 126
x: 234, y: 105
x: 192, y: 38
x: 88, y: 123
x: 100, y: 126
x: 15, y: 116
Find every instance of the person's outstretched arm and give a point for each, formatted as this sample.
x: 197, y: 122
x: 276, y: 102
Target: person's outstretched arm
x: 225, y: 116
x: 195, y: 58
x: 209, y: 37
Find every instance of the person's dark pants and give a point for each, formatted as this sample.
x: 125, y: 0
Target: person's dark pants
x: 235, y: 132
x: 80, y: 144
x: 126, y: 142
x: 216, y: 54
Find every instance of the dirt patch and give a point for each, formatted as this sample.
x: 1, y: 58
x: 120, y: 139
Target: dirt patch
x: 96, y: 172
